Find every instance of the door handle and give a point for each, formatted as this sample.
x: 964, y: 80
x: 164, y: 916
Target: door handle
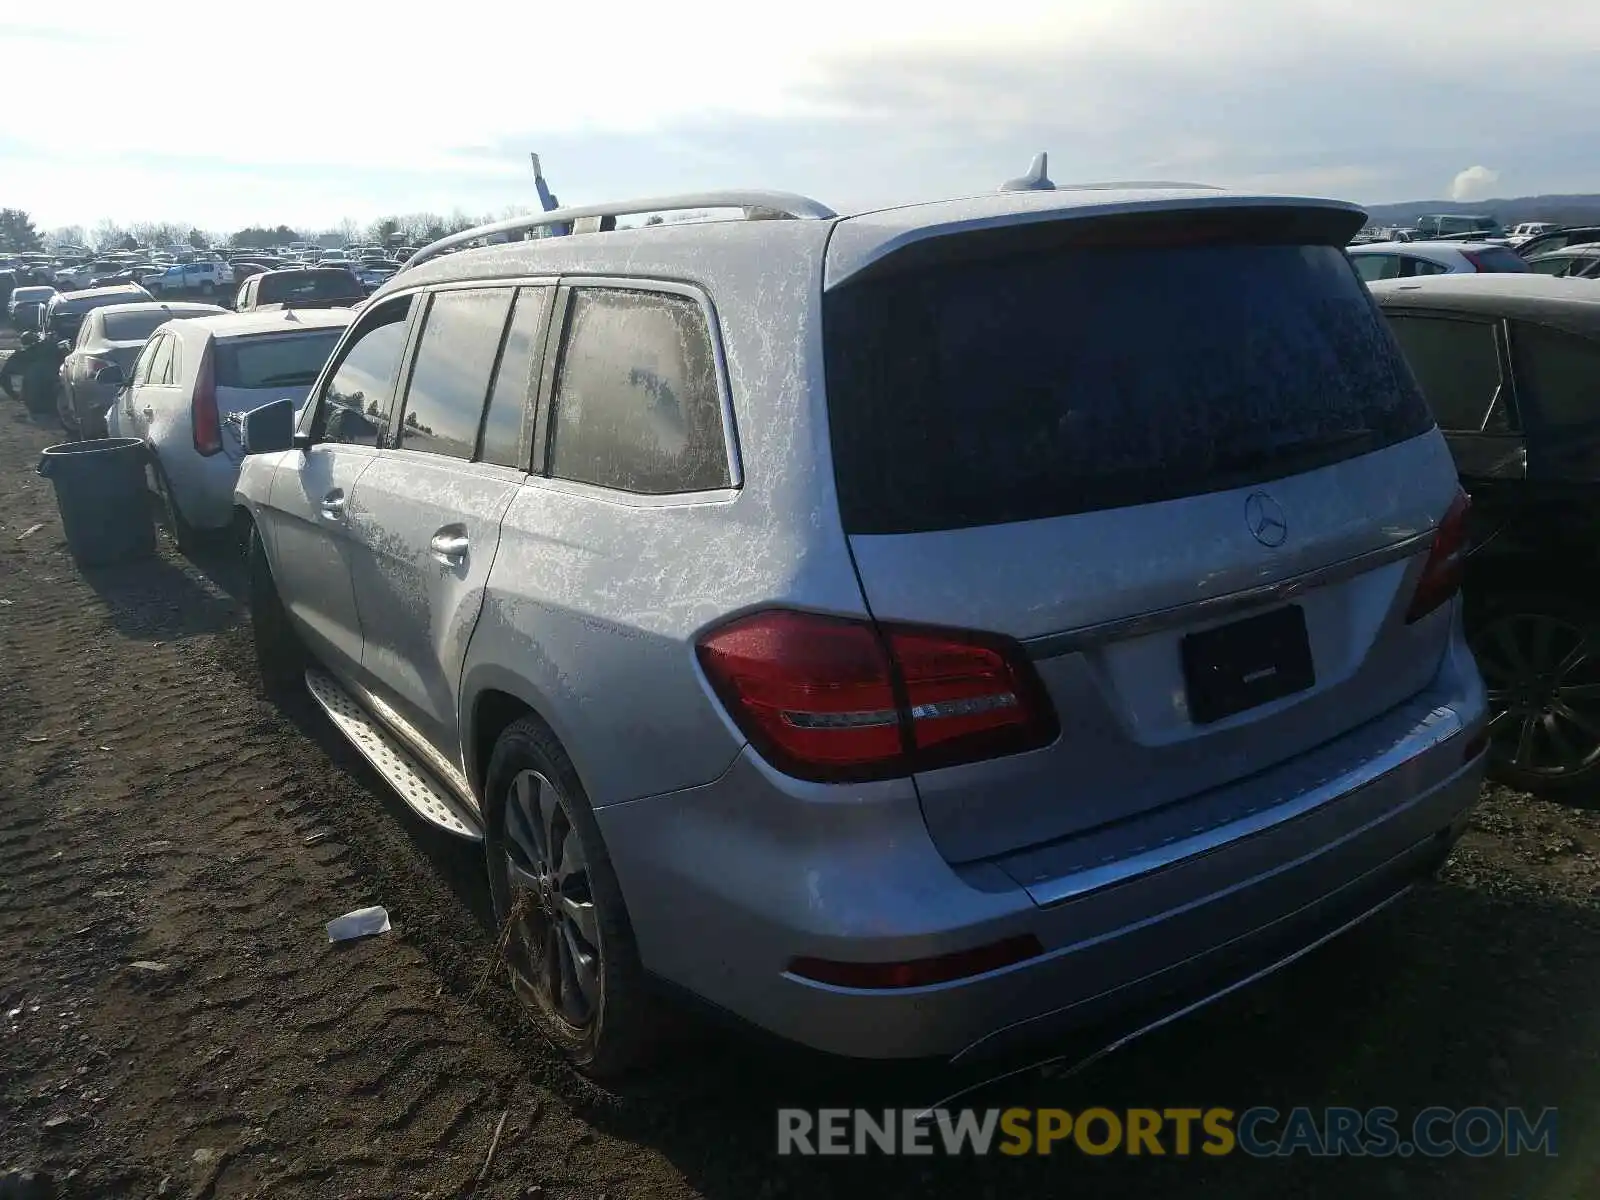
x: 333, y: 505
x: 149, y: 414
x: 449, y: 546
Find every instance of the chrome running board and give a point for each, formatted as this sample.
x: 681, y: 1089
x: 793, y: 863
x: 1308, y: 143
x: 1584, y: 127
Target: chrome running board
x: 401, y: 768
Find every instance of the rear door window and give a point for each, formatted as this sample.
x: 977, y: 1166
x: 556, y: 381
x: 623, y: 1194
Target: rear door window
x: 1377, y: 266
x: 1556, y: 264
x: 450, y: 378
x: 161, y: 368
x: 1457, y: 365
x: 637, y: 404
x: 507, y: 438
x: 1559, y: 372
x: 1080, y: 378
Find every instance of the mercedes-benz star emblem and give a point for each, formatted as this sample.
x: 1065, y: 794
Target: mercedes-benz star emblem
x: 1265, y: 519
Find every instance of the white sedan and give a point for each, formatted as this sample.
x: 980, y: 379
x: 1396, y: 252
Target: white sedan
x: 1406, y: 260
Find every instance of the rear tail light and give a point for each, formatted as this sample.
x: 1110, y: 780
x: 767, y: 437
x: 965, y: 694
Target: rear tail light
x: 833, y: 699
x: 1447, y: 561
x: 93, y: 364
x: 206, y: 421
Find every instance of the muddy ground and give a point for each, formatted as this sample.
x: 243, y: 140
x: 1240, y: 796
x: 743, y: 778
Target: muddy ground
x: 173, y: 1021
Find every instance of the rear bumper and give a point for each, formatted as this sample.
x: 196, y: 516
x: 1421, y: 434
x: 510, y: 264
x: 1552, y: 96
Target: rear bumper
x: 728, y: 883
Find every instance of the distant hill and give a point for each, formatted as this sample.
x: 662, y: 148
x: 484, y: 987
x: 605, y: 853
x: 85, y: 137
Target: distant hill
x: 1565, y: 210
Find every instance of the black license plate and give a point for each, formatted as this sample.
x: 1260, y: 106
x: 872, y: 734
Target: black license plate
x: 1236, y: 667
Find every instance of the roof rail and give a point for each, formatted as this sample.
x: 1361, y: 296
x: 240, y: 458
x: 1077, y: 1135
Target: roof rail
x: 590, y: 218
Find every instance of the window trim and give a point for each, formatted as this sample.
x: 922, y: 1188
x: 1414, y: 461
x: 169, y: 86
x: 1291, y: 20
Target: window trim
x: 560, y: 318
x: 1502, y: 354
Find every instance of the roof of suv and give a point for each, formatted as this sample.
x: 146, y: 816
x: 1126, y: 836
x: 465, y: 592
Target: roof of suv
x: 852, y: 242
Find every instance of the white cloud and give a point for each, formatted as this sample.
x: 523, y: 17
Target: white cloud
x: 1473, y: 183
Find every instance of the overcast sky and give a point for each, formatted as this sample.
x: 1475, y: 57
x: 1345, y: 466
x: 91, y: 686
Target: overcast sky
x: 309, y: 112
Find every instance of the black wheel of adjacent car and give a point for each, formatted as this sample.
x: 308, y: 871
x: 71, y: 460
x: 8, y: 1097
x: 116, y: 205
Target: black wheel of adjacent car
x: 1540, y: 659
x: 569, y: 944
x: 280, y: 655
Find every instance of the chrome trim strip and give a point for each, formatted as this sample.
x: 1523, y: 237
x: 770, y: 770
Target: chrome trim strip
x: 1436, y: 728
x: 1070, y: 641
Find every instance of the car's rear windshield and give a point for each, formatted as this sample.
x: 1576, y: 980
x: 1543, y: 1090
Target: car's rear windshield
x: 1498, y: 258
x: 277, y: 360
x: 1080, y: 378
x: 317, y: 285
x: 136, y: 327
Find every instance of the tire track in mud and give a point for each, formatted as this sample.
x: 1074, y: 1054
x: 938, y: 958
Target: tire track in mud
x: 154, y: 809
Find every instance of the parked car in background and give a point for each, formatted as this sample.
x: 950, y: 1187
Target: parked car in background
x: 8, y: 284
x: 129, y: 273
x: 1524, y: 230
x: 112, y: 337
x: 1447, y: 225
x: 206, y: 278
x: 1509, y: 366
x: 830, y: 519
x: 26, y: 304
x: 373, y: 273
x: 65, y: 312
x: 1403, y: 260
x: 192, y: 378
x: 1559, y: 239
x: 300, y: 287
x: 1575, y: 262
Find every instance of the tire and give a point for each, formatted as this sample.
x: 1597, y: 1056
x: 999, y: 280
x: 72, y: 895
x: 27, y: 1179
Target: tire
x: 281, y: 657
x: 185, y: 536
x: 603, y: 1031
x: 1539, y: 654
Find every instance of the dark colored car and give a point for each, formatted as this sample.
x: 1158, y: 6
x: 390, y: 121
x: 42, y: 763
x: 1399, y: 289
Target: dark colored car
x: 1559, y: 239
x: 1510, y: 365
x: 306, y: 287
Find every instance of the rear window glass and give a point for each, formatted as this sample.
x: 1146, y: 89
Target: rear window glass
x: 135, y: 327
x: 312, y: 285
x: 292, y: 360
x: 1086, y: 378
x: 1498, y: 258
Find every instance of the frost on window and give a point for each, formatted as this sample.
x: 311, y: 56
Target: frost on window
x: 636, y: 405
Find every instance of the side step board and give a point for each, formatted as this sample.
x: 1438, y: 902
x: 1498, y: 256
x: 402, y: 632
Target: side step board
x: 400, y: 768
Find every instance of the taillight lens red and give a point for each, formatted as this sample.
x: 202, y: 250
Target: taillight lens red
x: 1447, y: 562
x: 920, y: 972
x: 93, y: 364
x: 206, y: 421
x: 832, y: 699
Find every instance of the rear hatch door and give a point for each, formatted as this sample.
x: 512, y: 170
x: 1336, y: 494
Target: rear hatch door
x: 1179, y: 458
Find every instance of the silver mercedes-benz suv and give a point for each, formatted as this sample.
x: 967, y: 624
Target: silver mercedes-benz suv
x: 913, y: 632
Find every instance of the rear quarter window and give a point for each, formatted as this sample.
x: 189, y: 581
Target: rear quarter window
x: 637, y: 404
x: 1085, y: 378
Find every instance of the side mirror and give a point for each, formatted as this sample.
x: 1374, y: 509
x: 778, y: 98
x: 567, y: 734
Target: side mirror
x: 268, y: 429
x: 110, y: 377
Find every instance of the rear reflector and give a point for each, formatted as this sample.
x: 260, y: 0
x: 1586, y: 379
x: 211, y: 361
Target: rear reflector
x: 834, y: 699
x: 1447, y: 561
x: 919, y: 972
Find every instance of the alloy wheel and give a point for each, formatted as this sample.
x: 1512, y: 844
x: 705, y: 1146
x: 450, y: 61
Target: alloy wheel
x: 1543, y: 676
x: 552, y: 901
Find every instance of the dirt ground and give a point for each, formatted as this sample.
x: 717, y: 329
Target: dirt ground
x: 174, y: 1023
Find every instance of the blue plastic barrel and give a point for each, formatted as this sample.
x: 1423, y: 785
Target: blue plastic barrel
x: 101, y: 495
